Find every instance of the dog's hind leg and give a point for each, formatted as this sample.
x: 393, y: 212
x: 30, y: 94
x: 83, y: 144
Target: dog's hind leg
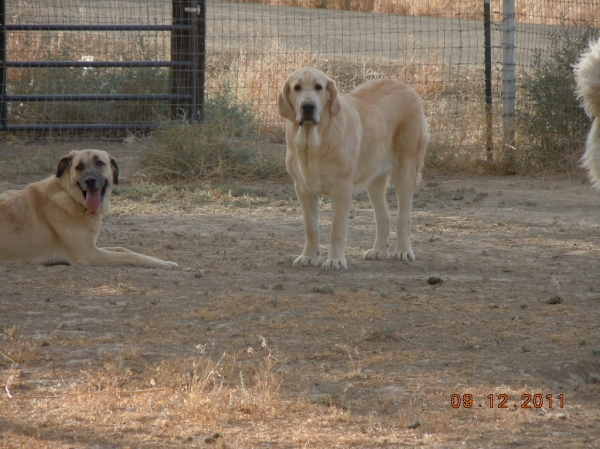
x: 405, y: 181
x: 341, y: 203
x: 376, y: 191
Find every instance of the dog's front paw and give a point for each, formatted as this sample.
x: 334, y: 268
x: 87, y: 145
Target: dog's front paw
x: 374, y: 254
x: 404, y: 255
x: 306, y: 261
x: 338, y: 264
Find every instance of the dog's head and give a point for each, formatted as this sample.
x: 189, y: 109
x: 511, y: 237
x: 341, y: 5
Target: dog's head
x: 89, y: 176
x: 307, y: 94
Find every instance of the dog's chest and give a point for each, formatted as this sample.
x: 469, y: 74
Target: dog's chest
x: 304, y: 161
x: 306, y: 168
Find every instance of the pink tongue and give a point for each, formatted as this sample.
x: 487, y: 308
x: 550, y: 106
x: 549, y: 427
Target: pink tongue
x: 93, y: 200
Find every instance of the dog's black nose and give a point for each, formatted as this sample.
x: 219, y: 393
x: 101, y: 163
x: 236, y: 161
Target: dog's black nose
x: 308, y: 109
x: 90, y: 181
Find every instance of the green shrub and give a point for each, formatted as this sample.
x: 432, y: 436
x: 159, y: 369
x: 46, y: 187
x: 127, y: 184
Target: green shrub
x: 551, y: 125
x: 225, y: 145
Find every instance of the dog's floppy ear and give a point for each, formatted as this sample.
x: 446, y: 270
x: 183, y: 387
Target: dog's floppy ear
x: 334, y: 101
x: 64, y: 164
x: 283, y: 103
x: 115, y: 170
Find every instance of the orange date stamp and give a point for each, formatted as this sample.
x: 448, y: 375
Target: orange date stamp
x: 502, y: 401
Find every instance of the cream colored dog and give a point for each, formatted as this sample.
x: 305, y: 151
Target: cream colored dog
x: 587, y: 75
x: 338, y: 144
x: 57, y: 220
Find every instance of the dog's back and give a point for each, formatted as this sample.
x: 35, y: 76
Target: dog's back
x: 393, y: 101
x: 398, y: 111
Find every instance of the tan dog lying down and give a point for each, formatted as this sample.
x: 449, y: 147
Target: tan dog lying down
x: 57, y: 220
x: 338, y: 144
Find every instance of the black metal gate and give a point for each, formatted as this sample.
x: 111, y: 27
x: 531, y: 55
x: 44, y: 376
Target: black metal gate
x: 187, y: 65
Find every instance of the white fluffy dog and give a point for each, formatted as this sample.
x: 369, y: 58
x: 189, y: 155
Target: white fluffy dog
x: 587, y: 76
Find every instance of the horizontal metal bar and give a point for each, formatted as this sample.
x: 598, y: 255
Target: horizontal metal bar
x: 97, y: 97
x: 98, y: 27
x: 37, y: 64
x: 80, y: 127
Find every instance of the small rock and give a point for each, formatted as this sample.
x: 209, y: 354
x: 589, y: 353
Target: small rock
x: 554, y: 300
x: 278, y: 287
x: 212, y: 439
x: 562, y: 416
x: 415, y: 424
x: 434, y: 280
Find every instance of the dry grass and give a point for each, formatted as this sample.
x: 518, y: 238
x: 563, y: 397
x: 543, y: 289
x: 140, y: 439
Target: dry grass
x: 253, y: 80
x: 453, y: 96
x: 66, y: 46
x: 239, y: 349
x: 235, y: 401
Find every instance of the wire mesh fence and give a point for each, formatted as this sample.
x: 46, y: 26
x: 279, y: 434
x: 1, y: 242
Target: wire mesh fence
x: 251, y: 46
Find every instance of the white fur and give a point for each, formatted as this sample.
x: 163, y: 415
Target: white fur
x: 587, y: 76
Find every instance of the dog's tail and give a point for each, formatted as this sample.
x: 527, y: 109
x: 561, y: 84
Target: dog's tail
x: 587, y: 77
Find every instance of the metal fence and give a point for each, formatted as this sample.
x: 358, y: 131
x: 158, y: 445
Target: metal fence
x: 112, y: 54
x: 251, y: 46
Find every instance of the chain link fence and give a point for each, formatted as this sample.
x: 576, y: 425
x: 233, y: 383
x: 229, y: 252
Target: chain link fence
x: 247, y: 48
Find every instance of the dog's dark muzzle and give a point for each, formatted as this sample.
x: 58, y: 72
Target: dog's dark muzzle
x: 93, y: 186
x: 309, y: 110
x: 91, y: 181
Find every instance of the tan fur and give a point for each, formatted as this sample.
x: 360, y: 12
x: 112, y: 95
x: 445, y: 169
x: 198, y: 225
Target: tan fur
x: 352, y: 142
x: 587, y: 76
x: 48, y: 223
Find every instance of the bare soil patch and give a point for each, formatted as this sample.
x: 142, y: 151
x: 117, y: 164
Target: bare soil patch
x: 239, y: 349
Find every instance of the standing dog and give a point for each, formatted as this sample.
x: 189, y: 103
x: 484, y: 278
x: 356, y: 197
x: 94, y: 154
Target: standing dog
x: 338, y: 144
x: 587, y: 76
x: 57, y: 220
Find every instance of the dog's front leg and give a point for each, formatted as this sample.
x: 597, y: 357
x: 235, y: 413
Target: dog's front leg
x: 117, y: 257
x: 310, y: 213
x: 341, y: 203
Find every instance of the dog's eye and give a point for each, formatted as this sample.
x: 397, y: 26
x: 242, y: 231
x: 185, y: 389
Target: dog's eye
x: 80, y: 166
x: 99, y: 163
x: 319, y: 87
x: 297, y: 87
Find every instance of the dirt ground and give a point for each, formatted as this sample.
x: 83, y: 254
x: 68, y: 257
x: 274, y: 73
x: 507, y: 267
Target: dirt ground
x: 502, y: 304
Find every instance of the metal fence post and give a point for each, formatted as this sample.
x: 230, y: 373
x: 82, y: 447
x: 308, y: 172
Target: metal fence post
x: 3, y: 43
x: 190, y: 47
x: 487, y: 20
x: 201, y: 61
x: 193, y: 11
x: 508, y: 74
x: 180, y: 51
